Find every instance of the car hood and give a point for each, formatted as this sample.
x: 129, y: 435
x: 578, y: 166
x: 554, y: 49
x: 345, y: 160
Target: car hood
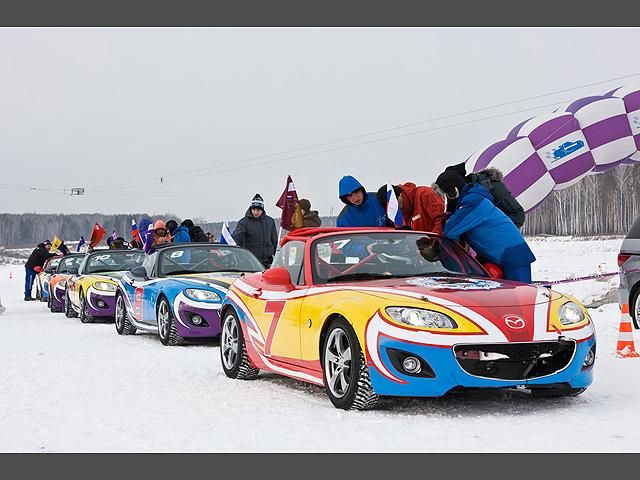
x: 454, y: 291
x: 106, y: 276
x: 216, y: 279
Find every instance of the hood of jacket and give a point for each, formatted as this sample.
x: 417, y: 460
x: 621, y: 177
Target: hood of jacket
x: 491, y: 173
x: 474, y: 193
x: 408, y: 197
x: 347, y: 185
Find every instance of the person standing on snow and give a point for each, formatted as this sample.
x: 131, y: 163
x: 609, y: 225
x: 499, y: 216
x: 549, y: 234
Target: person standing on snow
x: 362, y: 209
x: 422, y: 208
x: 36, y: 260
x: 256, y: 232
x: 488, y: 230
x: 310, y: 217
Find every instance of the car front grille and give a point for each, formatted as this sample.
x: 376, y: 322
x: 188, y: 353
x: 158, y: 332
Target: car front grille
x: 515, y: 361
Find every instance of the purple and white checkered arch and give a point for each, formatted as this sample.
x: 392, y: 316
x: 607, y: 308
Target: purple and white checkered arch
x: 553, y: 151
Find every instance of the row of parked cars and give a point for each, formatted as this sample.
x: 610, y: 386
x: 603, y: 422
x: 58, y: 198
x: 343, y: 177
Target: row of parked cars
x: 364, y: 312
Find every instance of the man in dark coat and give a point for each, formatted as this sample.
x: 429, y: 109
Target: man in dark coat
x: 196, y: 234
x: 491, y: 179
x: 256, y: 232
x: 37, y: 258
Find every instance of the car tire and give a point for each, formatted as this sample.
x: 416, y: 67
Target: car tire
x: 167, y: 324
x: 634, y: 308
x: 556, y: 392
x: 84, y: 310
x: 341, y: 347
x: 122, y: 321
x: 69, y: 312
x: 233, y: 350
x: 49, y: 299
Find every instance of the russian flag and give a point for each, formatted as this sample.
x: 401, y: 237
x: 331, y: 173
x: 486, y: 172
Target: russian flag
x: 135, y: 233
x: 393, y: 210
x: 225, y: 237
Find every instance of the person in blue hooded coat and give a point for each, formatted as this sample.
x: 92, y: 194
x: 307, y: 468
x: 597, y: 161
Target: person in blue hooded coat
x: 362, y: 208
x: 490, y: 233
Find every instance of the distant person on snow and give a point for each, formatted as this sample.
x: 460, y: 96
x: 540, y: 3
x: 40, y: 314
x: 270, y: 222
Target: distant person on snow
x: 34, y: 264
x: 362, y: 209
x: 256, y: 232
x: 179, y: 234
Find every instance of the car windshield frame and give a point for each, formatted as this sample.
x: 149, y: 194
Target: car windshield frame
x: 124, y: 267
x: 71, y: 260
x: 468, y: 266
x: 168, y: 251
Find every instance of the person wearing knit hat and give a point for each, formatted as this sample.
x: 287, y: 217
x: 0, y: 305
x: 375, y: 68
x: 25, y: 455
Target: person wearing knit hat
x: 256, y: 232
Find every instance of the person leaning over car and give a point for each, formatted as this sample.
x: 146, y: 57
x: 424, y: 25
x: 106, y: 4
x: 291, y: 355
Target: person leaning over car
x: 362, y: 209
x: 35, y: 263
x: 422, y: 208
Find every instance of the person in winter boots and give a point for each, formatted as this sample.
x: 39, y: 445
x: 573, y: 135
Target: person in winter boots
x: 362, y: 209
x: 179, y: 234
x: 256, y: 232
x: 310, y: 218
x: 422, y: 208
x: 37, y: 258
x: 490, y: 233
x: 196, y: 234
x: 493, y: 180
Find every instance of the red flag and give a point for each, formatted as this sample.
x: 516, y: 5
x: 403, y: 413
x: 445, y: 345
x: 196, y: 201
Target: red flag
x: 287, y: 202
x: 97, y: 234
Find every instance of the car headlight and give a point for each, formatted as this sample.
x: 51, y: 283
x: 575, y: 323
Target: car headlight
x: 570, y: 313
x: 202, y: 295
x: 417, y: 317
x: 106, y: 286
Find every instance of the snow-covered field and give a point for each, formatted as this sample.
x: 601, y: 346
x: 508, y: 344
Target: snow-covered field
x: 69, y: 387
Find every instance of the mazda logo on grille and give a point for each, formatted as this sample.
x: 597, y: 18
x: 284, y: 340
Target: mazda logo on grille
x: 514, y: 322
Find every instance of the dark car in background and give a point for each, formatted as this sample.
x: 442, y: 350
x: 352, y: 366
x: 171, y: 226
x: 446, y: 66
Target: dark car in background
x: 629, y: 263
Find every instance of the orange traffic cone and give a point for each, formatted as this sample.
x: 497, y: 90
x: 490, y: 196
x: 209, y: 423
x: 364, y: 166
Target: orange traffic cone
x: 626, y: 347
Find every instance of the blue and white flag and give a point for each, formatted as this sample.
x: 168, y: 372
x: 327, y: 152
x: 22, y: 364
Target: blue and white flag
x: 393, y: 210
x: 80, y: 243
x: 225, y: 237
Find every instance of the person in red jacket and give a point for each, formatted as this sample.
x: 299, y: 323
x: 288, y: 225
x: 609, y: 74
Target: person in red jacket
x: 422, y: 208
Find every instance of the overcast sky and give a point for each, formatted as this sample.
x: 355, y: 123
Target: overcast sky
x: 172, y: 119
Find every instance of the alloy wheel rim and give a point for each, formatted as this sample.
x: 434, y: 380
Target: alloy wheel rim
x: 163, y: 317
x: 229, y: 342
x: 337, y: 363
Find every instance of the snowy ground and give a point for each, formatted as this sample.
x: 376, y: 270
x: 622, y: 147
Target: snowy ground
x: 69, y: 387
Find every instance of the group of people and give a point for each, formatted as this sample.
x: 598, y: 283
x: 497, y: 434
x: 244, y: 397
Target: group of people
x: 475, y: 209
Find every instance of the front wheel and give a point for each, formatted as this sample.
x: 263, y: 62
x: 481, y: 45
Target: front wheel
x: 69, y: 312
x: 345, y: 371
x: 123, y: 324
x: 233, y: 351
x: 167, y: 325
x: 84, y: 310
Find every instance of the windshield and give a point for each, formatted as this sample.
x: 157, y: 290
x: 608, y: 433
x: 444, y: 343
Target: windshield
x: 53, y: 263
x: 207, y: 259
x: 368, y: 256
x: 68, y: 262
x: 115, y: 261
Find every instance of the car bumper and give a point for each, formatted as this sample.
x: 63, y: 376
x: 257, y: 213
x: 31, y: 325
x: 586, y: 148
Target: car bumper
x: 448, y: 374
x: 185, y: 310
x: 101, y: 303
x: 57, y: 297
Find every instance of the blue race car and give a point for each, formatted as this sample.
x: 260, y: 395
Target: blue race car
x: 567, y: 148
x: 178, y: 290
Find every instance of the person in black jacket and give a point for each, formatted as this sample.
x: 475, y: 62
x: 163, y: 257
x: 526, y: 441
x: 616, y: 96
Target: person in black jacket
x: 37, y: 258
x: 489, y: 178
x: 256, y: 232
x: 196, y: 234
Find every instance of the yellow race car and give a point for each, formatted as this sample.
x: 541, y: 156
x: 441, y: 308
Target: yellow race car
x: 91, y: 288
x: 382, y: 312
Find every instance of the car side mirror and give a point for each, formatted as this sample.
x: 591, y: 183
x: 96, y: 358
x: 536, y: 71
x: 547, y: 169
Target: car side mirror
x: 139, y: 272
x: 278, y: 277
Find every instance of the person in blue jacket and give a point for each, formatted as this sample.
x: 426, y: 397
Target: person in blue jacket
x: 180, y: 234
x: 362, y: 208
x: 490, y: 233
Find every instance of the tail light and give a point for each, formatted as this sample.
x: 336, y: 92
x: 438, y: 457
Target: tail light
x: 622, y: 257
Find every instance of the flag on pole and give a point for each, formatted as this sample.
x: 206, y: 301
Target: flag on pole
x: 225, y: 237
x: 113, y: 235
x: 149, y: 238
x: 287, y: 203
x: 81, y: 242
x: 135, y: 233
x: 393, y: 210
x: 55, y: 245
x: 97, y: 234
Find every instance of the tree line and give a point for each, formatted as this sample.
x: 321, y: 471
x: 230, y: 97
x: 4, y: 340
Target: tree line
x: 602, y: 204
